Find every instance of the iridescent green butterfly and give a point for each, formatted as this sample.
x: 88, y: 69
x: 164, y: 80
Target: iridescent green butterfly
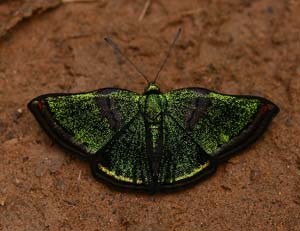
x: 154, y: 141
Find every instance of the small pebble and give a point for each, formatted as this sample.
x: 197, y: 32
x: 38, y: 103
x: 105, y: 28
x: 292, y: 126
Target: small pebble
x: 17, y: 115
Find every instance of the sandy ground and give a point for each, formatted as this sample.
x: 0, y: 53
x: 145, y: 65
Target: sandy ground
x: 230, y: 46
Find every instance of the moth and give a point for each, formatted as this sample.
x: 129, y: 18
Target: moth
x: 153, y: 141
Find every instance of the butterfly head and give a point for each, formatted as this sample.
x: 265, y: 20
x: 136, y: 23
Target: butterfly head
x: 152, y: 88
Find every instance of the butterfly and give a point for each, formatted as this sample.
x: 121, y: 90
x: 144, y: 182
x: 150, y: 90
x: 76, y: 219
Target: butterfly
x: 153, y: 141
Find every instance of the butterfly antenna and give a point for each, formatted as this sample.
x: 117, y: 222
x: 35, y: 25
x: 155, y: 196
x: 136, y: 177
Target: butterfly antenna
x: 117, y: 49
x: 168, y: 54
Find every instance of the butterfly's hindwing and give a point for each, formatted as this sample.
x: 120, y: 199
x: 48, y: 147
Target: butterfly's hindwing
x: 85, y: 122
x: 183, y: 160
x: 124, y: 162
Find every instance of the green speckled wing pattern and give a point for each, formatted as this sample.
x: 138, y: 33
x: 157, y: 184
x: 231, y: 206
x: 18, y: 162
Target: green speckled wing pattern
x: 124, y: 159
x: 153, y: 142
x: 182, y: 157
x: 218, y: 122
x: 86, y: 121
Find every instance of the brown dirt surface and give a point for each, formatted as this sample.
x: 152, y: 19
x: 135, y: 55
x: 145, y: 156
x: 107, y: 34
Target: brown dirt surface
x: 231, y: 46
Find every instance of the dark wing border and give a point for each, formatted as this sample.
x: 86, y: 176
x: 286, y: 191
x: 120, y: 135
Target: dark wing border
x: 251, y: 134
x: 121, y: 187
x: 190, y: 182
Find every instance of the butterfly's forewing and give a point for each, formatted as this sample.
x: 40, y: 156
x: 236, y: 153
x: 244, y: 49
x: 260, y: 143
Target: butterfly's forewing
x: 220, y: 124
x: 83, y: 123
x: 123, y: 162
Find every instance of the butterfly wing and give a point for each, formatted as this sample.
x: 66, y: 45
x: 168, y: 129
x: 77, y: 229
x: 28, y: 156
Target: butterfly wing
x: 83, y: 123
x: 124, y: 162
x: 183, y: 161
x: 220, y: 124
x: 199, y: 128
x: 203, y: 127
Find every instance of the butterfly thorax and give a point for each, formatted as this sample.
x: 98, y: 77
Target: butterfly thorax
x: 153, y: 107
